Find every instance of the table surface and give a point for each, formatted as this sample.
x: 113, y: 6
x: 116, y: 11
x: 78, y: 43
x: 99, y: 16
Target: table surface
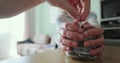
x: 111, y: 54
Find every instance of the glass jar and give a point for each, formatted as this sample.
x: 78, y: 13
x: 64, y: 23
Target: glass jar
x: 82, y: 52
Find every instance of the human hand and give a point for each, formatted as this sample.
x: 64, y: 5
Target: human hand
x: 75, y: 8
x: 82, y: 7
x: 70, y: 33
x: 65, y: 5
x: 98, y: 42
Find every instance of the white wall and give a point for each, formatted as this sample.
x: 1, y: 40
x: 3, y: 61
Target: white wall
x: 11, y: 31
x: 95, y: 7
x: 43, y: 14
x: 8, y: 48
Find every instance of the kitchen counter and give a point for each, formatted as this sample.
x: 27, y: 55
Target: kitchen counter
x: 115, y: 42
x: 111, y: 54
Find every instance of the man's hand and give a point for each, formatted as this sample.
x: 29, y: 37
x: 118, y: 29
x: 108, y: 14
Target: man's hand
x: 65, y: 5
x: 98, y: 42
x: 71, y: 33
x: 75, y: 8
x: 82, y: 7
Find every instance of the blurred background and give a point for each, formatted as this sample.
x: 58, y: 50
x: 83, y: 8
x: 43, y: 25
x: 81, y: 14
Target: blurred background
x: 32, y: 31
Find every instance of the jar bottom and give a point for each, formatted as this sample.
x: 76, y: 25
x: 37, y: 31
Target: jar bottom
x: 72, y: 54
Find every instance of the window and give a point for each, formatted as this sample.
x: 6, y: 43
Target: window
x: 14, y: 26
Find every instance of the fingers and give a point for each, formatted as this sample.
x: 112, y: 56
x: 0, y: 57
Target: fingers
x: 87, y: 26
x: 94, y: 42
x: 71, y: 27
x: 75, y: 3
x: 66, y: 48
x: 99, y: 56
x: 68, y: 43
x: 97, y: 51
x: 99, y: 41
x: 72, y: 2
x: 71, y: 31
x: 82, y: 7
x: 72, y: 35
x: 95, y: 31
x: 79, y: 6
x: 86, y: 10
x: 92, y: 30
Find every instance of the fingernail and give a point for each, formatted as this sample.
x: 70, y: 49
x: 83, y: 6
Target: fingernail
x: 67, y: 48
x: 63, y: 25
x: 74, y: 44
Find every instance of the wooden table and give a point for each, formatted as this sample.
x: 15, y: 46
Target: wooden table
x: 111, y: 55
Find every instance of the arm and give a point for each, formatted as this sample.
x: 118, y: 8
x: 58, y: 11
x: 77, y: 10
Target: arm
x: 10, y: 8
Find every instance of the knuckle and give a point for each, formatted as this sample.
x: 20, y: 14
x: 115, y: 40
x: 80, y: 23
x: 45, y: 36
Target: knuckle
x: 63, y: 43
x: 66, y: 42
x: 90, y: 32
x: 73, y: 35
x: 68, y: 34
x: 63, y: 32
x: 92, y: 43
x: 65, y: 25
